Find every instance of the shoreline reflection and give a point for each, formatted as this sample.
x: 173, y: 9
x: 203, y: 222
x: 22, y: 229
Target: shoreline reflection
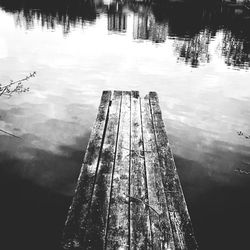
x: 191, y: 25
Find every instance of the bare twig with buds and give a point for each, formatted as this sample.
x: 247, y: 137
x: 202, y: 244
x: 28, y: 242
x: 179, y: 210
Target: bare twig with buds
x: 15, y: 86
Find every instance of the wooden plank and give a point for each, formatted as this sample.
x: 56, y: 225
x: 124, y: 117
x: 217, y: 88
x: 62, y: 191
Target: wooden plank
x: 162, y: 237
x: 179, y: 216
x: 118, y: 224
x: 78, y: 210
x: 98, y: 215
x: 139, y: 215
x: 128, y: 194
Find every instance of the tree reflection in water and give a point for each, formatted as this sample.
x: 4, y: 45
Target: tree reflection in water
x: 49, y: 14
x: 235, y: 50
x: 192, y: 25
x: 195, y: 50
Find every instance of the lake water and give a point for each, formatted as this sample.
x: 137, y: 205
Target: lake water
x: 197, y: 58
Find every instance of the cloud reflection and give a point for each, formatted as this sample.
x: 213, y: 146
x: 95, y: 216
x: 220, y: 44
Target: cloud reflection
x: 57, y: 172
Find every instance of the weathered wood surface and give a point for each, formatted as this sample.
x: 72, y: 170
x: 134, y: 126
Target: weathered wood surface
x: 162, y: 237
x: 140, y: 231
x: 78, y: 211
x: 179, y: 217
x: 96, y: 222
x: 128, y: 194
x: 118, y: 223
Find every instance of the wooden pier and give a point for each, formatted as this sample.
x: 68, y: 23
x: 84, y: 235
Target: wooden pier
x: 128, y: 194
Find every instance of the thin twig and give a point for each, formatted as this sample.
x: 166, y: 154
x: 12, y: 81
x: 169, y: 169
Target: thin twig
x: 15, y: 86
x: 241, y: 171
x: 10, y: 134
x: 131, y: 197
x: 157, y: 225
x: 240, y: 133
x: 136, y: 152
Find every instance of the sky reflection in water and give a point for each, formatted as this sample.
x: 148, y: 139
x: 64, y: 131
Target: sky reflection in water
x: 197, y: 59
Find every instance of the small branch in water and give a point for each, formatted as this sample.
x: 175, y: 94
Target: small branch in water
x: 240, y: 133
x: 241, y: 171
x: 15, y: 86
x: 5, y: 132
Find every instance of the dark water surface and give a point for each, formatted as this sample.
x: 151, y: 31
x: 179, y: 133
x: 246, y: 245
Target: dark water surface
x: 195, y: 55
